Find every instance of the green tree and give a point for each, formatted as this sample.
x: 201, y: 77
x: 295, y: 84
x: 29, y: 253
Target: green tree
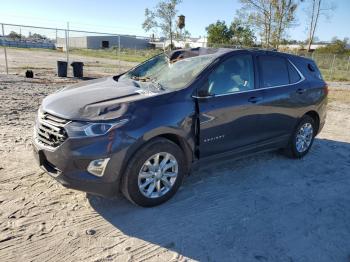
x: 242, y: 34
x: 336, y: 47
x: 271, y: 18
x: 162, y: 17
x: 14, y: 35
x: 219, y: 33
x: 38, y: 36
x: 316, y: 9
x: 236, y: 34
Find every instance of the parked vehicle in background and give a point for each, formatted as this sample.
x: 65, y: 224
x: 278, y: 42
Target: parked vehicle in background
x: 140, y: 132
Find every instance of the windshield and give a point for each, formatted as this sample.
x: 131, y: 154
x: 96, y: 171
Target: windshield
x: 170, y: 75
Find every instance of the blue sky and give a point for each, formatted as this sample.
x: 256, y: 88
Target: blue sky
x: 127, y: 16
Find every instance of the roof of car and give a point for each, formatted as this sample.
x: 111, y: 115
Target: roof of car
x: 191, y: 52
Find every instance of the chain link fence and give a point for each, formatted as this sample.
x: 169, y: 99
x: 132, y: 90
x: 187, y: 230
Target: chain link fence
x: 38, y: 49
x: 333, y: 66
x: 26, y: 47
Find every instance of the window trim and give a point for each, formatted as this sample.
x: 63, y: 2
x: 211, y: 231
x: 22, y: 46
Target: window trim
x: 296, y: 69
x: 302, y: 78
x: 254, y: 74
x: 279, y: 62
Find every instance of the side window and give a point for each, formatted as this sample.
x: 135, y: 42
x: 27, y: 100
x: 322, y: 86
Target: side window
x: 313, y: 69
x: 274, y: 71
x: 233, y: 75
x: 293, y: 74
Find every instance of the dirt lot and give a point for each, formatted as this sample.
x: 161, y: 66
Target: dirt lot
x: 262, y: 208
x: 44, y: 62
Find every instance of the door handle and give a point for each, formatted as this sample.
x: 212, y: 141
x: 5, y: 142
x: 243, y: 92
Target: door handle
x: 301, y: 90
x: 254, y: 99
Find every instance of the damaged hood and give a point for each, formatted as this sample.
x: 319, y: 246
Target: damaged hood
x: 96, y: 100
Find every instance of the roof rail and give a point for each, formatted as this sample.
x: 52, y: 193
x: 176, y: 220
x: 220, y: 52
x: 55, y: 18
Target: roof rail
x: 263, y: 49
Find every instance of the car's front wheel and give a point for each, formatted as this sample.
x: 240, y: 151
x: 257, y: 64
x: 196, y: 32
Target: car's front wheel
x: 302, y: 138
x: 155, y: 173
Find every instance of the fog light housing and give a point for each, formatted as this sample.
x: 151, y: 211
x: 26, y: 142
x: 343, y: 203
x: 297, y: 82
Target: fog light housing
x: 97, y: 167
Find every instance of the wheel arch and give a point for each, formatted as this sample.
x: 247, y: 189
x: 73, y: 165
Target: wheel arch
x: 172, y: 136
x: 315, y: 116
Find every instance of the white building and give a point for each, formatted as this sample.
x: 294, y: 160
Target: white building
x: 186, y: 43
x: 99, y: 42
x: 301, y: 46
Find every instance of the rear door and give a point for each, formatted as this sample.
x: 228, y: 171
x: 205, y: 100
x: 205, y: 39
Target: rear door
x: 283, y: 88
x: 229, y: 115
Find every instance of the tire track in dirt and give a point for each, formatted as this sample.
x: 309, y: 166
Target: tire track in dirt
x: 251, y: 209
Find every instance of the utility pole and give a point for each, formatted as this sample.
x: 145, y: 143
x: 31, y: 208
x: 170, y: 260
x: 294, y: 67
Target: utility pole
x: 5, y: 51
x: 119, y: 54
x: 67, y: 44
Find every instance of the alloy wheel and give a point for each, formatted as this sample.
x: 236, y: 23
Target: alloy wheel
x: 304, y: 137
x: 158, y: 175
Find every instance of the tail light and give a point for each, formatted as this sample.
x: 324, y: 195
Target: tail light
x: 326, y: 90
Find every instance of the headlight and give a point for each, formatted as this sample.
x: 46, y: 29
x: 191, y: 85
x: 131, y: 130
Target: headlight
x: 86, y: 129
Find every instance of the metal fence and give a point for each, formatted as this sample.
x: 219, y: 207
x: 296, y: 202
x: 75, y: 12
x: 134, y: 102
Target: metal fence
x: 39, y: 49
x: 333, y: 66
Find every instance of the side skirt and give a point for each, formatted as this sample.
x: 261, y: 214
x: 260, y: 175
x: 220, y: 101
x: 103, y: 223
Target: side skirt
x: 265, y: 146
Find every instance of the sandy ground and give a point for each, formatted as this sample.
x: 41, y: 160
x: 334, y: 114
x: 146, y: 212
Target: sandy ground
x: 261, y: 208
x: 45, y: 63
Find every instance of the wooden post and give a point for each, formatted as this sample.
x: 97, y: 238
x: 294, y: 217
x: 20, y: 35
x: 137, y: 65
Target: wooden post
x: 332, y: 68
x: 5, y: 51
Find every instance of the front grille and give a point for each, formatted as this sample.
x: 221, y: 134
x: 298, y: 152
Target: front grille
x: 49, y: 130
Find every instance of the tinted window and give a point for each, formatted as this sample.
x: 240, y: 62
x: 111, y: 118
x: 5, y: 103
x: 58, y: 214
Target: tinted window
x: 293, y: 74
x: 233, y: 75
x: 314, y: 70
x: 274, y: 71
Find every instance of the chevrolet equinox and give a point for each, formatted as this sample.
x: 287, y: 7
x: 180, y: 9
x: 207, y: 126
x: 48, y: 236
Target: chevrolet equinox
x: 141, y: 132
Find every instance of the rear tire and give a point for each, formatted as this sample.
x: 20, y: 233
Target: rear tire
x: 155, y: 173
x: 302, y: 138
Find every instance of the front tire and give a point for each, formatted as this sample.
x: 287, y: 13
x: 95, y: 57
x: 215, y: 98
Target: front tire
x: 155, y: 173
x: 302, y: 138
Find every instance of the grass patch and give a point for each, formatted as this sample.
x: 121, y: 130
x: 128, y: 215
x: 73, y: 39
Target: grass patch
x: 33, y: 49
x: 127, y: 55
x: 341, y: 71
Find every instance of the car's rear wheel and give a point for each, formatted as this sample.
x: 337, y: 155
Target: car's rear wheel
x: 155, y: 173
x: 302, y: 138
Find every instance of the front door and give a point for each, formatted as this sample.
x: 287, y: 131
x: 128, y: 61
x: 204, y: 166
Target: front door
x: 229, y: 115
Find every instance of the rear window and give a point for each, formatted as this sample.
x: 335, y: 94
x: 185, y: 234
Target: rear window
x: 274, y: 71
x: 293, y: 74
x: 313, y: 69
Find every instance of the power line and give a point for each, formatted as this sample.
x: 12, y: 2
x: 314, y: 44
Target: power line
x: 70, y: 30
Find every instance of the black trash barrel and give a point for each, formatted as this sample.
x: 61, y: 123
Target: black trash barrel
x: 62, y: 68
x: 77, y: 69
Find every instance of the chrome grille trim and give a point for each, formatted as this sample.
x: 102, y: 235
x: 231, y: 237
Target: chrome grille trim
x: 49, y: 130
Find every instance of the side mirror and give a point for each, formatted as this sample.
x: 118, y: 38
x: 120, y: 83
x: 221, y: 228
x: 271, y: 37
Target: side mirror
x: 203, y: 92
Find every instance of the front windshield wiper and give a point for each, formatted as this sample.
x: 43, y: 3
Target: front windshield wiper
x: 141, y: 78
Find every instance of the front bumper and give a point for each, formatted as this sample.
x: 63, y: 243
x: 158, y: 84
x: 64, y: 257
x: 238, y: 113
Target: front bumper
x: 68, y: 164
